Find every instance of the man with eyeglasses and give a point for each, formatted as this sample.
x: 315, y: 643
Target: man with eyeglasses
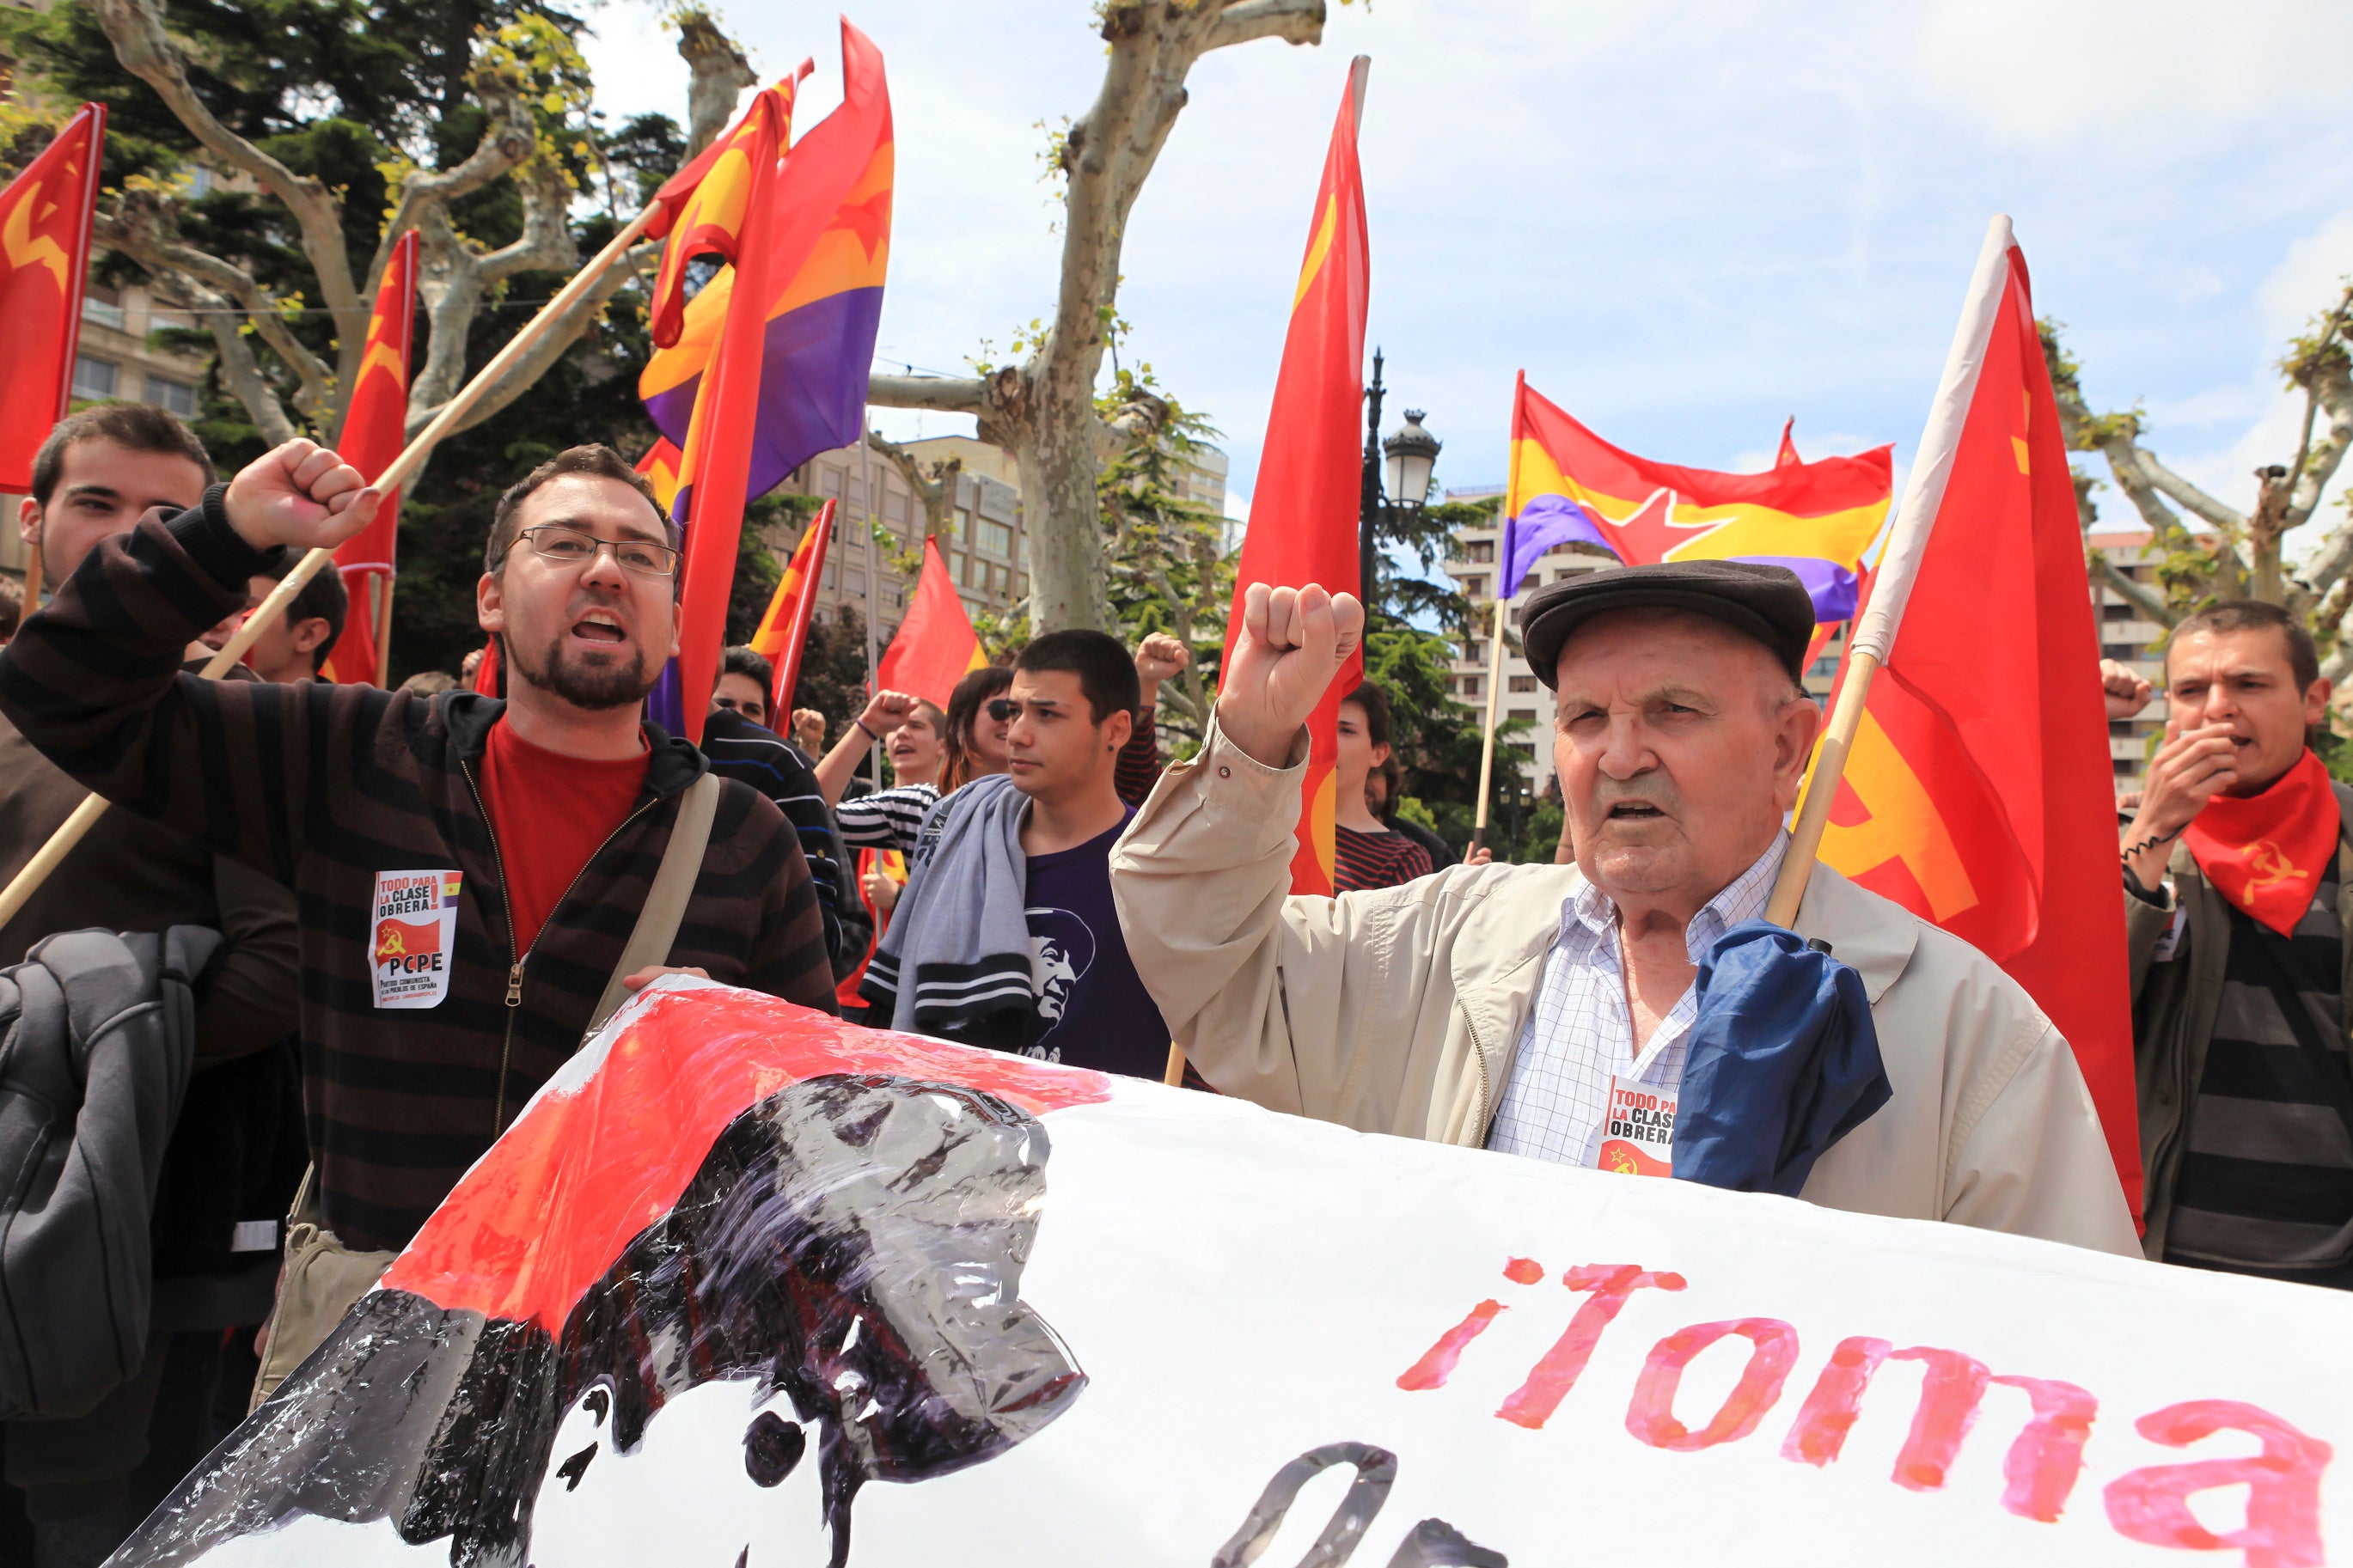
x: 468, y: 869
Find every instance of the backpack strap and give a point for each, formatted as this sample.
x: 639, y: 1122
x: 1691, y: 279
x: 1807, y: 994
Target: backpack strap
x: 658, y: 922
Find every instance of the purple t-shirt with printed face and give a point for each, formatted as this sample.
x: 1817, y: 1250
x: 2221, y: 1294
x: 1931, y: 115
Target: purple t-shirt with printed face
x: 1093, y: 1011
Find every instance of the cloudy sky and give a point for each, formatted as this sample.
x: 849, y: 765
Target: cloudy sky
x: 1684, y: 221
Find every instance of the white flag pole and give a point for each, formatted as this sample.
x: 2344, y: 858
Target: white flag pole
x: 1875, y: 632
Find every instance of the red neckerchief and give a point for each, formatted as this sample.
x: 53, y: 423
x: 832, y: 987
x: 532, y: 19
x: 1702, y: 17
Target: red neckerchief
x: 2267, y: 853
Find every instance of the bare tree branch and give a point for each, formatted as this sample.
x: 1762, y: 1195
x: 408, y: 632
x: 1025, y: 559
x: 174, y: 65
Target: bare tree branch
x: 562, y: 333
x: 141, y: 43
x: 720, y: 74
x: 1294, y: 21
x: 948, y: 395
x: 934, y: 483
x: 2184, y: 494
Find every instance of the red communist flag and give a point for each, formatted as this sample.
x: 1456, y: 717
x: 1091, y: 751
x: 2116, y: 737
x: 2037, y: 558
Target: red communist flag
x: 1303, y: 525
x: 936, y: 646
x: 375, y: 427
x: 45, y: 217
x: 1978, y: 793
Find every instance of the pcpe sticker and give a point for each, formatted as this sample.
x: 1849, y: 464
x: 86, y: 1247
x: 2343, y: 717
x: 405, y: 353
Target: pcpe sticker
x: 1638, y: 1134
x: 416, y: 923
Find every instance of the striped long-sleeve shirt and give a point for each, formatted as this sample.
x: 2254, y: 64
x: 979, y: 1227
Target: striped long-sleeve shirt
x: 336, y: 789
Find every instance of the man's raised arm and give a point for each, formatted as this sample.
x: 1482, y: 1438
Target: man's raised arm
x: 1202, y: 877
x: 94, y: 680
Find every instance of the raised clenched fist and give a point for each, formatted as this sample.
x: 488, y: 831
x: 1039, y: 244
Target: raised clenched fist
x: 1160, y: 657
x: 2127, y: 691
x: 300, y: 494
x: 1293, y: 641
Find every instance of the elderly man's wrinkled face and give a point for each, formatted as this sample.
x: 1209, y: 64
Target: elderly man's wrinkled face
x: 1680, y: 745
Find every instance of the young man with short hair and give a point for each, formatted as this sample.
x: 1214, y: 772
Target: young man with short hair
x: 2238, y: 872
x: 471, y: 869
x: 295, y: 646
x: 1006, y: 935
x: 222, y: 1185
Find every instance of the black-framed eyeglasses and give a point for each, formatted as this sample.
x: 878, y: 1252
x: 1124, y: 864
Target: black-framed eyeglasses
x: 1004, y: 709
x: 570, y: 547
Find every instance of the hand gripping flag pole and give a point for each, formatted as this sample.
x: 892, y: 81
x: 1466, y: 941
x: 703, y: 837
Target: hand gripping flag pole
x: 1875, y: 632
x: 402, y: 470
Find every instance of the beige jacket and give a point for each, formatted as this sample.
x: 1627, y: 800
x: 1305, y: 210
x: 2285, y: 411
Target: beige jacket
x: 1399, y: 1011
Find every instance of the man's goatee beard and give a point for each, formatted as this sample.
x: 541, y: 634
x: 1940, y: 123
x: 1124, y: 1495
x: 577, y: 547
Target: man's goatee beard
x: 593, y: 690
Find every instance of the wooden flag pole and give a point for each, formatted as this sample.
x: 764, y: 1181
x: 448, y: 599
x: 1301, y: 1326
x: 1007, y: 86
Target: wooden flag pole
x: 402, y: 470
x: 1487, y: 744
x: 1874, y: 630
x: 383, y: 597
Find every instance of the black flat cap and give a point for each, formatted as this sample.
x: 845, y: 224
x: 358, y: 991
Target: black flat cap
x: 1768, y: 603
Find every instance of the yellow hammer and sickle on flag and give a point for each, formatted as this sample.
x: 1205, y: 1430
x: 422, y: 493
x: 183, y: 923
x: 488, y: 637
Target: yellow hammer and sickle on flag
x: 2270, y: 864
x: 1903, y: 825
x: 391, y: 946
x: 1320, y: 247
x: 23, y: 250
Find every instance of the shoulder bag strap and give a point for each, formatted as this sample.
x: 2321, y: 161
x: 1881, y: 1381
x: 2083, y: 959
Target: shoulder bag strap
x: 658, y: 922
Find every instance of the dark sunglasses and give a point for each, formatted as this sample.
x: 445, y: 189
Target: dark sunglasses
x: 1003, y: 708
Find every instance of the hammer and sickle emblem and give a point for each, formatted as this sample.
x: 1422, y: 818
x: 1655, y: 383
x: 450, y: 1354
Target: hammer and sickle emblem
x: 25, y: 248
x: 388, y: 942
x: 2271, y: 866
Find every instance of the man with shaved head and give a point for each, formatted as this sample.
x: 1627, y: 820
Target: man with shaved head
x: 1511, y: 1007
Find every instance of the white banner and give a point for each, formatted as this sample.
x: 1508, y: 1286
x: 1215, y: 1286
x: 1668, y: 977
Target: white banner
x: 752, y: 1288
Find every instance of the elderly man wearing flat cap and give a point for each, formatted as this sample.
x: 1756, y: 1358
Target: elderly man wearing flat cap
x: 1496, y: 1006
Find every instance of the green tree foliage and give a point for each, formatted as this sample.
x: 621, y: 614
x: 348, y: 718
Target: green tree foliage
x: 1168, y: 573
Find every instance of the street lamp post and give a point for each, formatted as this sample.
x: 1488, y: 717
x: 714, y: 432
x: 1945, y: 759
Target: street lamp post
x: 1405, y: 460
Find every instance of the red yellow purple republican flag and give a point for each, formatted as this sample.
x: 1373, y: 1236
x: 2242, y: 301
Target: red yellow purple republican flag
x: 770, y: 364
x: 45, y: 219
x: 1977, y: 792
x: 936, y: 646
x: 783, y: 632
x: 832, y: 246
x: 660, y: 466
x: 1303, y: 511
x: 1567, y: 483
x: 375, y: 430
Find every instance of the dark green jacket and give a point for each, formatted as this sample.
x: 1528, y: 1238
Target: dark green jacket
x: 2174, y: 1005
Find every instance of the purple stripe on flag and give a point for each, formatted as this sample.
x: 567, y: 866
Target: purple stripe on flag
x: 663, y: 705
x: 813, y: 371
x: 1544, y: 522
x: 1833, y: 587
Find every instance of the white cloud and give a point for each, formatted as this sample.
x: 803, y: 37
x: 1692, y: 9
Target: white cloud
x: 2147, y: 77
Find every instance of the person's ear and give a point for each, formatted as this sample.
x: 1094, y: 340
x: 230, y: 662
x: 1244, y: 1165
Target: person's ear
x: 1795, y: 729
x: 1380, y: 755
x: 489, y: 604
x: 307, y: 635
x: 2316, y: 701
x: 29, y: 523
x: 1119, y: 728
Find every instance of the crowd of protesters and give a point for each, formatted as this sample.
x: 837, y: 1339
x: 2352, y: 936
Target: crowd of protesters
x: 1034, y: 877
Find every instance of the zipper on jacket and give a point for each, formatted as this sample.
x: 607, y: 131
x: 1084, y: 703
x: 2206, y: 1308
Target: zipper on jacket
x: 506, y: 898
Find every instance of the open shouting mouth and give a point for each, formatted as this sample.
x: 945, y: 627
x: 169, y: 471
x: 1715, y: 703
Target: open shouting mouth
x: 601, y: 628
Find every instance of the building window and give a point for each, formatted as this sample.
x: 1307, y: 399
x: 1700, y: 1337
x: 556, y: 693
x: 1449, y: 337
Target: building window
x: 995, y: 538
x: 177, y: 396
x: 1526, y: 714
x: 103, y: 306
x: 2123, y: 729
x: 1471, y: 685
x: 1522, y: 683
x: 2122, y: 651
x: 2126, y: 766
x: 95, y: 377
x: 1475, y: 587
x: 1825, y: 666
x: 2119, y: 611
x: 1481, y: 551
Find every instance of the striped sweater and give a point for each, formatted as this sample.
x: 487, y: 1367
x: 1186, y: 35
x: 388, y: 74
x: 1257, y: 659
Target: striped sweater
x: 326, y: 786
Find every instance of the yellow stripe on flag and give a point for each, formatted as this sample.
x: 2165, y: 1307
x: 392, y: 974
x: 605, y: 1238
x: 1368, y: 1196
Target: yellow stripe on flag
x: 1318, y: 248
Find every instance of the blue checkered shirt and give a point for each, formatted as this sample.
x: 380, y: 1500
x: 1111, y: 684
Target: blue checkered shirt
x: 1579, y: 1035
